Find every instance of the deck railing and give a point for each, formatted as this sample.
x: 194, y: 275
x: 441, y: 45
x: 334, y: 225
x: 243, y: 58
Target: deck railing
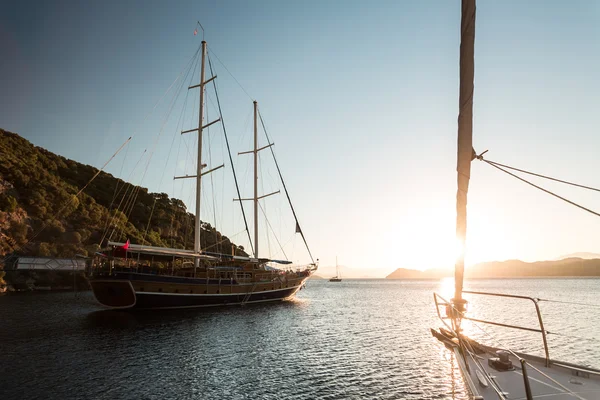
x: 541, y: 329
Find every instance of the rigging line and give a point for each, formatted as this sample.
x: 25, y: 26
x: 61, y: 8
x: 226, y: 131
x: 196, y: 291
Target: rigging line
x: 170, y: 108
x: 171, y: 86
x: 262, y: 188
x: 222, y: 241
x: 165, y: 119
x: 167, y: 162
x: 543, y: 190
x: 569, y: 302
x: 229, y: 152
x: 209, y: 98
x: 68, y: 203
x: 539, y: 175
x: 164, y: 122
x: 179, y: 123
x: 116, y: 193
x: 212, y: 183
x: 284, y: 186
x: 127, y: 186
x: 129, y: 205
x: 272, y: 230
x: 187, y: 67
x: 149, y: 221
x: 234, y: 78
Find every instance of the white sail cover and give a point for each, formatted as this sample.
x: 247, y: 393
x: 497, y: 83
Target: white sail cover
x: 161, y: 251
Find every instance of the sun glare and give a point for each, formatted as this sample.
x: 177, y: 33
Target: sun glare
x: 446, y: 289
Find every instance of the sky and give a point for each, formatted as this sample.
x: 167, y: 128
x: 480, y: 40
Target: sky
x: 360, y: 99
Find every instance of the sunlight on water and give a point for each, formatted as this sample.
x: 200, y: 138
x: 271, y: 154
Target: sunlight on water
x: 446, y: 288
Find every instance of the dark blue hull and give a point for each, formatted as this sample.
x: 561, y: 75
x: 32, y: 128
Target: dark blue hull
x: 160, y: 300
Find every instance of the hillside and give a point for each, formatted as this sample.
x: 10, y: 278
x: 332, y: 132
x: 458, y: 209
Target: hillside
x: 38, y: 188
x: 511, y: 269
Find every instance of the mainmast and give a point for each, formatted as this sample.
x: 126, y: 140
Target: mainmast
x: 255, y: 180
x: 197, y: 246
x: 465, y: 139
x: 200, y: 165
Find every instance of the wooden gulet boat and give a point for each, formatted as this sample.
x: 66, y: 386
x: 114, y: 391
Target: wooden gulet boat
x: 497, y: 372
x: 126, y: 275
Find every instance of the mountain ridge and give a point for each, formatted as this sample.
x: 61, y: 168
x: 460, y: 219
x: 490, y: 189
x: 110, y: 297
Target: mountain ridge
x: 511, y: 269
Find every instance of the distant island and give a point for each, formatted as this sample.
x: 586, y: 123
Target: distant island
x: 511, y: 269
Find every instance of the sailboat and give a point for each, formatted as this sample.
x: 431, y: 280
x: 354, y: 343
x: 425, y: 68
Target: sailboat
x: 337, y: 277
x: 496, y: 372
x: 127, y: 275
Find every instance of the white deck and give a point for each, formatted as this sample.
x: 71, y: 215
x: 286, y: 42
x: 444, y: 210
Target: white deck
x: 562, y: 381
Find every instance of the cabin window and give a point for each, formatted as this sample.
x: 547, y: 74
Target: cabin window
x: 176, y: 290
x: 160, y: 289
x: 218, y: 291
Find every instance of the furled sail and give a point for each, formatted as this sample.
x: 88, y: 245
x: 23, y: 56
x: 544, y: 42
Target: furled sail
x: 465, y: 134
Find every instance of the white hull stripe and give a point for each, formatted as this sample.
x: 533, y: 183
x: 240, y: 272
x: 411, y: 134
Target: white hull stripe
x: 216, y: 305
x: 216, y: 294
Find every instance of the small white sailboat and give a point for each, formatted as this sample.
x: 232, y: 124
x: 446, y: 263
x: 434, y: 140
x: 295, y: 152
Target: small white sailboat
x: 497, y: 372
x: 338, y: 276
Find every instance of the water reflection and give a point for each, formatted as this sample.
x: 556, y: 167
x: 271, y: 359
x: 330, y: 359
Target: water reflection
x: 446, y: 288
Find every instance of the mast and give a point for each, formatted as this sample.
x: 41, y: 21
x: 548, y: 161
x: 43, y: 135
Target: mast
x: 256, y: 197
x: 200, y: 166
x: 197, y: 247
x: 255, y: 181
x: 465, y: 139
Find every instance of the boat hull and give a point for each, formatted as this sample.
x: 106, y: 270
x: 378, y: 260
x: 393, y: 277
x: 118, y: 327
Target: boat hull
x: 143, y: 292
x: 114, y: 293
x: 162, y: 300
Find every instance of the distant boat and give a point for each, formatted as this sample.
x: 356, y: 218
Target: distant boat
x: 128, y: 275
x: 498, y: 372
x: 338, y: 276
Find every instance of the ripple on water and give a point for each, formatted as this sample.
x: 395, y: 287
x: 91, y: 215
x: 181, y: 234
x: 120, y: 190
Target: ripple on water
x: 353, y: 340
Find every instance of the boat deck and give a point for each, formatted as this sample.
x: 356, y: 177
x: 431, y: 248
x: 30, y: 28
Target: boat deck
x: 558, y: 381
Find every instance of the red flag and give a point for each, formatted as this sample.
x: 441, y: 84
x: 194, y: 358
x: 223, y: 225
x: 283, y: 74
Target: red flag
x: 126, y: 245
x: 195, y: 31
